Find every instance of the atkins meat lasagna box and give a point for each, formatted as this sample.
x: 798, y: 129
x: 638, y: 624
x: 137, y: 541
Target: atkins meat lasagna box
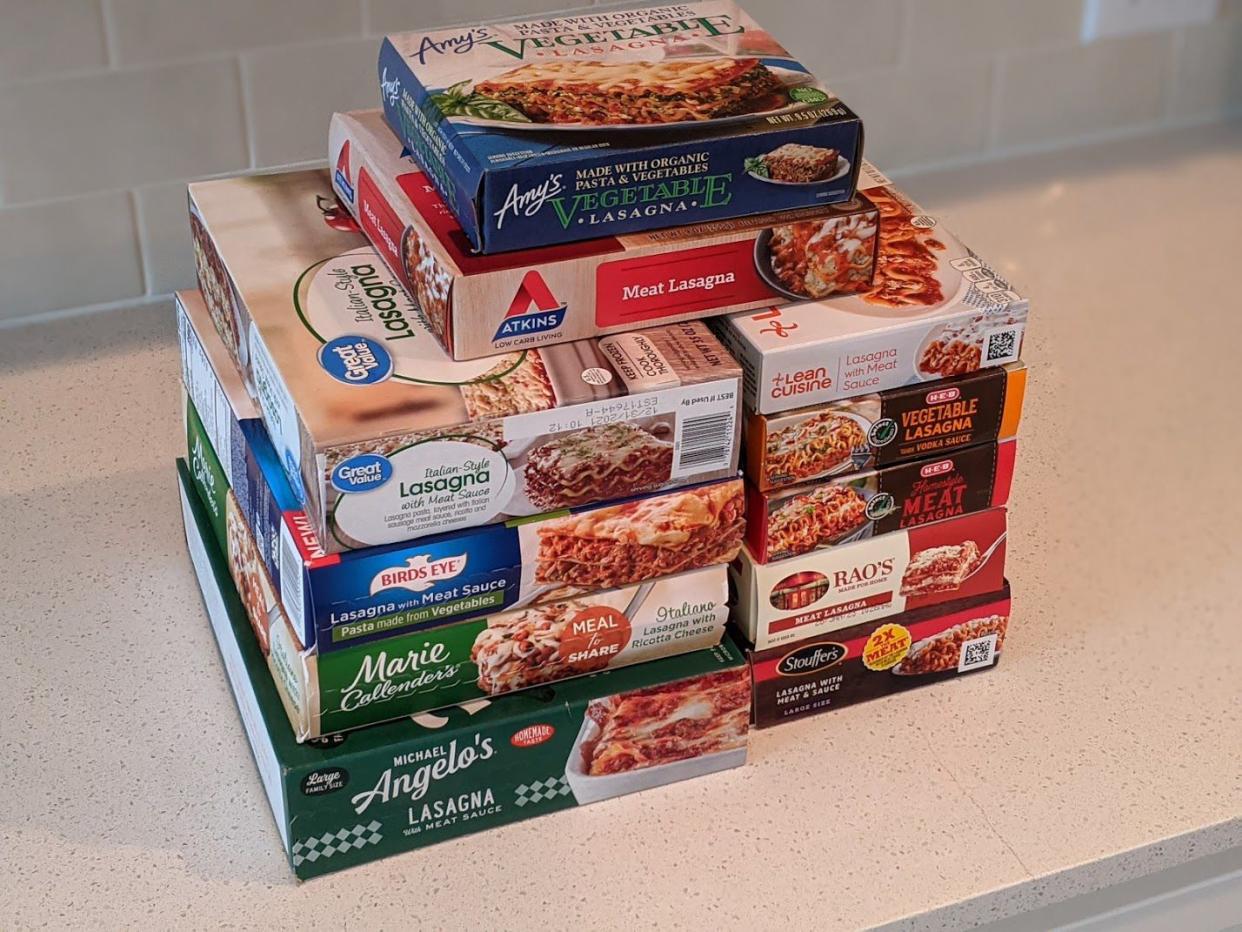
x: 337, y: 599
x: 884, y: 428
x: 782, y: 523
x: 827, y: 590
x: 609, y: 121
x: 935, y: 309
x: 416, y: 781
x: 877, y: 659
x: 480, y: 305
x: 384, y: 437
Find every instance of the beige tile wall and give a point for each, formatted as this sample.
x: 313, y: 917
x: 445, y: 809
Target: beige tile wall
x: 107, y: 107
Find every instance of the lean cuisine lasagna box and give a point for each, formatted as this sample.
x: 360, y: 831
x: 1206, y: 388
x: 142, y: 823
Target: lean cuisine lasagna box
x: 876, y: 659
x: 787, y: 522
x: 335, y: 600
x: 480, y: 305
x: 613, y: 121
x: 827, y: 590
x: 411, y: 783
x: 935, y: 309
x: 885, y: 428
x: 386, y: 438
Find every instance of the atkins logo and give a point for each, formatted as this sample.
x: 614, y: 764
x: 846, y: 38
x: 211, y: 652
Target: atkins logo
x: 341, y: 175
x: 533, y: 310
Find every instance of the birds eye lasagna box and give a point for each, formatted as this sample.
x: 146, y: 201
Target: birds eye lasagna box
x: 407, y: 784
x: 609, y: 121
x: 384, y: 437
x: 480, y: 305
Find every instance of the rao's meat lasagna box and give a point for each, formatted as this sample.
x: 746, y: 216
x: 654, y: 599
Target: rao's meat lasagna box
x: 885, y: 428
x: 386, y: 438
x: 786, y: 522
x: 334, y: 600
x: 613, y: 121
x: 411, y: 783
x: 827, y: 590
x: 877, y: 659
x: 935, y: 309
x: 479, y: 305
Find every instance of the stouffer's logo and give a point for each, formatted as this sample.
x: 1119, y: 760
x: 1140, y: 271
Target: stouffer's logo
x: 419, y: 574
x: 936, y: 469
x: 534, y: 309
x: 940, y: 396
x: 811, y: 659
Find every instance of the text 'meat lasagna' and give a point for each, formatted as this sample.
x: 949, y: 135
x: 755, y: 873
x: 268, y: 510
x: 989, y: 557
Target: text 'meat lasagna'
x: 940, y: 569
x: 595, y: 464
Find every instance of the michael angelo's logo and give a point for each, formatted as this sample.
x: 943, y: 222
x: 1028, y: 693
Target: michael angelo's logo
x: 341, y: 175
x: 533, y: 310
x: 419, y: 573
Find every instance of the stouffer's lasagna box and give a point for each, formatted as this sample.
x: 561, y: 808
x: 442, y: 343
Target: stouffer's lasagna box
x: 384, y: 437
x: 336, y: 600
x: 480, y: 305
x: 410, y: 783
x: 786, y: 522
x: 877, y: 659
x: 935, y: 309
x: 884, y: 428
x: 827, y: 590
x: 565, y: 128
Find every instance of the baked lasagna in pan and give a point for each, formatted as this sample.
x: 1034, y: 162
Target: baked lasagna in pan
x: 801, y: 163
x: 940, y: 569
x: 636, y: 541
x: 249, y: 574
x: 943, y: 651
x: 596, y: 464
x: 515, y: 385
x: 608, y: 93
x: 814, y: 519
x: 812, y: 447
x: 432, y: 283
x: 524, y: 649
x: 668, y: 723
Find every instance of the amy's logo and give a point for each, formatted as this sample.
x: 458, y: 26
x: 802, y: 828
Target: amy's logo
x: 533, y: 310
x: 811, y: 659
x: 341, y: 175
x: 419, y: 573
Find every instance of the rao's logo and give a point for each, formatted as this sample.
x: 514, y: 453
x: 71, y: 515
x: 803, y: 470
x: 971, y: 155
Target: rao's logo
x: 419, y: 573
x: 341, y: 175
x: 534, y: 310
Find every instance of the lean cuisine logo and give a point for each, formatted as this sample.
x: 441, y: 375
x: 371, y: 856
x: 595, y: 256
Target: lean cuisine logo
x: 341, y: 175
x: 533, y: 310
x: 419, y: 573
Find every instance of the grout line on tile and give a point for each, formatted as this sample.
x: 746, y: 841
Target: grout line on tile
x: 244, y: 78
x: 140, y: 227
x: 109, y: 32
x: 44, y: 317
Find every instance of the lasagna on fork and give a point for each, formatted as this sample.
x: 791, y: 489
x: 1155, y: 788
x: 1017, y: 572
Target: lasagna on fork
x: 815, y: 446
x: 940, y: 569
x: 603, y: 93
x: 815, y: 519
x: 596, y: 463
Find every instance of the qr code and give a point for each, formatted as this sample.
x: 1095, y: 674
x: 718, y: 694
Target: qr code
x: 981, y: 652
x: 1002, y: 345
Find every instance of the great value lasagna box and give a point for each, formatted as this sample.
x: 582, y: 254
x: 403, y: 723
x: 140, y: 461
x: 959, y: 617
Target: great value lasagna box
x: 564, y: 128
x: 827, y: 590
x: 337, y: 599
x: 480, y: 305
x: 935, y: 310
x: 413, y: 782
x: 884, y: 428
x: 877, y: 659
x: 387, y: 439
x: 786, y: 522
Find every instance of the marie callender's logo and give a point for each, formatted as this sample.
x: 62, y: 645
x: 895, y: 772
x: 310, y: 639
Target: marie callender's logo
x: 419, y: 573
x: 533, y: 310
x: 341, y: 175
x: 811, y: 659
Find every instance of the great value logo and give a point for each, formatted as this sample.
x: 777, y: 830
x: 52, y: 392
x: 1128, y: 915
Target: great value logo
x: 419, y: 573
x: 534, y: 309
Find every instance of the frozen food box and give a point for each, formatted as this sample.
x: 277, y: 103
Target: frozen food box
x: 413, y: 782
x: 884, y: 428
x: 607, y: 121
x: 540, y: 295
x: 384, y: 437
x: 337, y: 599
x: 834, y: 512
x: 879, y: 658
x: 827, y: 590
x: 935, y: 310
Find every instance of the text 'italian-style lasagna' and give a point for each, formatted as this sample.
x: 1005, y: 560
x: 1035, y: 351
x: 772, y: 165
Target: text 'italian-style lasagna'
x: 939, y: 569
x: 817, y: 518
x: 595, y: 464
x: 943, y: 651
x: 662, y: 724
x: 530, y: 647
x: 812, y: 447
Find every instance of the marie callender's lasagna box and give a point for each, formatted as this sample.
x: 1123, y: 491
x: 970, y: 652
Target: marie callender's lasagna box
x: 479, y: 305
x: 335, y: 600
x: 934, y: 310
x: 875, y: 659
x: 827, y: 590
x: 413, y: 782
x: 384, y: 437
x: 609, y: 121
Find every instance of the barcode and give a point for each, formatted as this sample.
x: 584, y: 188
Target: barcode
x: 1002, y: 345
x: 291, y: 579
x: 706, y: 442
x: 980, y: 652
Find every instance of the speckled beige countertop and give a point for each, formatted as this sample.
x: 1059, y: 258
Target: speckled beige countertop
x: 1108, y: 745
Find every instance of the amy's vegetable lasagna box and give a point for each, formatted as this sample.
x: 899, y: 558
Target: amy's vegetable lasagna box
x: 480, y: 305
x: 935, y: 309
x: 875, y: 659
x: 413, y: 782
x: 608, y: 121
x: 384, y: 437
x: 335, y: 600
x: 827, y: 590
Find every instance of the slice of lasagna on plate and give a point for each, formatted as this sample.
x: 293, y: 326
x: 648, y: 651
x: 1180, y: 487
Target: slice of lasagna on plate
x: 596, y: 464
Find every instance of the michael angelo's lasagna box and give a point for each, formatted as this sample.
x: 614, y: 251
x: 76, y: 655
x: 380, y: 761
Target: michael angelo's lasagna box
x: 413, y: 782
x: 877, y: 659
x: 384, y: 437
x: 480, y: 305
x: 827, y: 590
x: 613, y: 121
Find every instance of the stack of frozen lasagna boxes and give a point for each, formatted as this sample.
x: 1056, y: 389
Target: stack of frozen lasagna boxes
x: 464, y: 436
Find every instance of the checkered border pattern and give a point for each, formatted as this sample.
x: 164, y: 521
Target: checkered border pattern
x: 538, y: 790
x: 338, y: 842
